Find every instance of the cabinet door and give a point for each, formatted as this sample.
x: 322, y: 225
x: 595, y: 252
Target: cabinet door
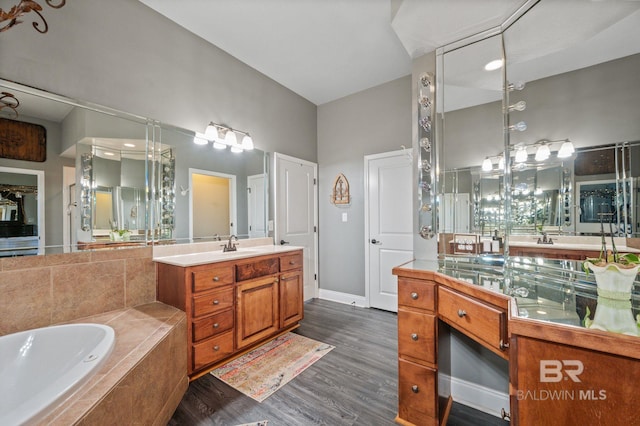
x: 291, y: 306
x: 257, y: 315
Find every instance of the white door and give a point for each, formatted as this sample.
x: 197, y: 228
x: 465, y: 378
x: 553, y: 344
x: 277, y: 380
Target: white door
x: 256, y: 206
x: 389, y: 224
x: 296, y: 214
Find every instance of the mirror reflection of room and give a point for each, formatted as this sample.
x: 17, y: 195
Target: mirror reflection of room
x: 18, y: 214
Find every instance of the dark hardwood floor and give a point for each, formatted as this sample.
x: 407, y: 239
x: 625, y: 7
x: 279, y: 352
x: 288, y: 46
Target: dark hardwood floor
x: 354, y: 384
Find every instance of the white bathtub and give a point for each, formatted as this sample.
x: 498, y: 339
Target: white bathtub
x: 40, y: 368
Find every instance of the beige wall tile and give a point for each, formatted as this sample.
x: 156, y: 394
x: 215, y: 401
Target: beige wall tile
x: 87, y: 289
x: 26, y: 300
x: 140, y: 279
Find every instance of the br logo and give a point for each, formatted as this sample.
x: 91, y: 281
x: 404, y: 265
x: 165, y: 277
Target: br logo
x: 555, y: 370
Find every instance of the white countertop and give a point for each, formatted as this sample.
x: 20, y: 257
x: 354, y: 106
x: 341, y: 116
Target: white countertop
x: 201, y: 258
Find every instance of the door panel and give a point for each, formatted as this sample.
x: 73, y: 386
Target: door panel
x: 296, y: 212
x: 390, y: 224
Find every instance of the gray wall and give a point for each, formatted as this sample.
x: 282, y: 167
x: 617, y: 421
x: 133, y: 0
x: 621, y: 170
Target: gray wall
x: 123, y: 55
x: 369, y: 122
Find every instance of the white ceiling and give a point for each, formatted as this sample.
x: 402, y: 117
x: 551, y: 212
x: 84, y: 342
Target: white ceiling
x: 327, y: 49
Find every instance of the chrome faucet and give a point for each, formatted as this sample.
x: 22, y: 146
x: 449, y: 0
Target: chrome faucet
x: 544, y: 239
x: 230, y: 246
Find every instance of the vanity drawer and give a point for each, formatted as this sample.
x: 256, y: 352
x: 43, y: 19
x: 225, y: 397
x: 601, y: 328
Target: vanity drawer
x: 417, y: 400
x: 485, y: 322
x: 257, y: 268
x: 417, y: 293
x: 417, y: 335
x: 214, y: 301
x: 210, y: 326
x: 212, y: 350
x: 205, y: 279
x: 291, y: 261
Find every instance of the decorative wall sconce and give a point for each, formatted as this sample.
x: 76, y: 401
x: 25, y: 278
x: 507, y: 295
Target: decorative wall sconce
x: 223, y: 137
x: 340, y: 192
x: 25, y: 6
x: 8, y: 100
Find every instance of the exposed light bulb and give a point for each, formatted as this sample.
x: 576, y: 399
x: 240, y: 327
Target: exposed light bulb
x: 487, y: 166
x: 566, y: 150
x: 236, y: 148
x: 518, y: 106
x: 219, y: 145
x: 247, y: 143
x: 520, y: 126
x: 519, y: 85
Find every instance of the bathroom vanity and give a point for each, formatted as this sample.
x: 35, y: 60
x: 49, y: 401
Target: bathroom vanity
x: 530, y: 314
x: 234, y: 301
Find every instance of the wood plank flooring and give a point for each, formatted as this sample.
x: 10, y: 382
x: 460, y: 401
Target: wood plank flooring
x: 354, y: 384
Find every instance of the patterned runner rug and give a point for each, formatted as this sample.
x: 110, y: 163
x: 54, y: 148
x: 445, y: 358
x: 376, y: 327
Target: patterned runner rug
x: 266, y: 369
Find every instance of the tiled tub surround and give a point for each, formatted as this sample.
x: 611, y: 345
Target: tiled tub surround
x: 144, y: 378
x: 38, y: 291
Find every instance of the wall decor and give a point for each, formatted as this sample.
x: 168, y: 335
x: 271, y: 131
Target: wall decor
x: 340, y: 192
x: 9, y: 101
x: 22, y: 141
x: 25, y: 6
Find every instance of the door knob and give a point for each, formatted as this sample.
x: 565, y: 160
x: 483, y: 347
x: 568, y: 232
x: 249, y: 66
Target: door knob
x: 283, y: 242
x: 376, y: 242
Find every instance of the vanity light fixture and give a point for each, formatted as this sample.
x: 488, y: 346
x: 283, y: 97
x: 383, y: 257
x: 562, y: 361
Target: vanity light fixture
x: 543, y: 152
x: 200, y: 139
x: 566, y: 150
x: 487, y: 165
x: 521, y: 154
x: 223, y: 137
x: 25, y: 6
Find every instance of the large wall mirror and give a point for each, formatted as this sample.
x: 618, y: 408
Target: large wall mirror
x: 578, y: 85
x: 113, y: 179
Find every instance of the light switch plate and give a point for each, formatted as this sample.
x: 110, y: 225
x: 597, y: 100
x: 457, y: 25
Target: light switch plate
x: 344, y: 216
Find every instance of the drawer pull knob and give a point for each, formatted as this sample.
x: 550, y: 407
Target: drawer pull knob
x: 414, y: 336
x: 503, y: 345
x: 216, y: 348
x: 216, y: 302
x: 415, y: 389
x: 461, y: 313
x: 216, y: 325
x: 216, y: 278
x: 414, y: 296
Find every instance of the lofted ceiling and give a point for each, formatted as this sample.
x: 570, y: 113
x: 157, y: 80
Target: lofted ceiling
x: 327, y: 49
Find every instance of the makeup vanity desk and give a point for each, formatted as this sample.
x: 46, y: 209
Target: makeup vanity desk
x: 529, y: 312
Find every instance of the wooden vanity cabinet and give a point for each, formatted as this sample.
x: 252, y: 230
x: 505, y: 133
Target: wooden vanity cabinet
x: 417, y: 353
x: 235, y: 305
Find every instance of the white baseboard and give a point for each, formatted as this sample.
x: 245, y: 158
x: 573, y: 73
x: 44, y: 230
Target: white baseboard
x: 481, y: 398
x: 346, y: 298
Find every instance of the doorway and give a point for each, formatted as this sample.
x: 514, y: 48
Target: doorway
x: 212, y: 205
x: 388, y: 224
